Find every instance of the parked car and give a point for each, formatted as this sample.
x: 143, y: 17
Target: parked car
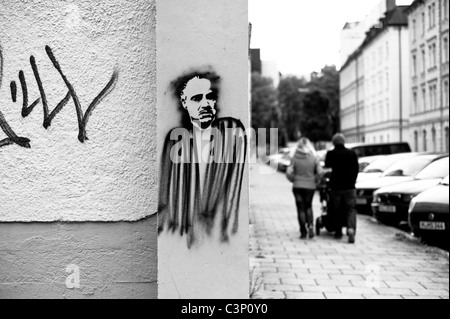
x: 381, y: 164
x: 367, y: 151
x: 402, y: 171
x: 370, y: 149
x: 390, y: 204
x: 281, y: 160
x: 429, y: 214
x: 364, y: 161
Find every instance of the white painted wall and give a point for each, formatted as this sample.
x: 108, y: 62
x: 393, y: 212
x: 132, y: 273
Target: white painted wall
x: 111, y: 176
x: 194, y: 33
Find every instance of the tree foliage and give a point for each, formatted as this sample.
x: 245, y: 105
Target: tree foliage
x: 263, y: 101
x: 290, y: 102
x: 315, y: 121
x: 298, y: 107
x: 328, y: 85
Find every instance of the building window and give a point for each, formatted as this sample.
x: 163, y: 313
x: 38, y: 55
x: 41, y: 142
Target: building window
x: 432, y: 55
x: 424, y: 64
x: 424, y: 137
x: 446, y: 139
x: 445, y: 49
x: 430, y: 89
x: 387, y: 80
x: 435, y: 96
x: 414, y: 101
x: 445, y: 89
x: 414, y: 29
x: 445, y: 9
x: 429, y: 17
x: 423, y: 23
x: 433, y: 14
x: 433, y: 138
x: 416, y: 141
x: 414, y: 62
x: 424, y: 99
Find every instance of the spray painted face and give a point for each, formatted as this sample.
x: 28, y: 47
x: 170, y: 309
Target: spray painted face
x: 199, y: 99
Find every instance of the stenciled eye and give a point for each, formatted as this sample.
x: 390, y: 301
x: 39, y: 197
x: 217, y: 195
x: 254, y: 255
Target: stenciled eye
x: 211, y: 96
x: 197, y: 98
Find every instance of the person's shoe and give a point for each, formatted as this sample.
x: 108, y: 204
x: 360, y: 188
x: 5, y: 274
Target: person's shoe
x: 303, y: 236
x: 311, y: 232
x: 338, y: 235
x: 351, y: 235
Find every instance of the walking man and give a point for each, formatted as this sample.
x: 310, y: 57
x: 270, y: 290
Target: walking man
x: 344, y: 171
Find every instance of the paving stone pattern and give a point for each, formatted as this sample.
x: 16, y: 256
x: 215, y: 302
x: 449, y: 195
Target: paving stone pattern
x: 384, y: 263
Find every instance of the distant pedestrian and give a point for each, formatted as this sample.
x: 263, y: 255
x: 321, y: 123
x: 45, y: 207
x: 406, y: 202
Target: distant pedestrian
x: 306, y: 169
x: 344, y: 171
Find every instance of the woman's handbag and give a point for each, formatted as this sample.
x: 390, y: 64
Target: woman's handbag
x: 290, y: 173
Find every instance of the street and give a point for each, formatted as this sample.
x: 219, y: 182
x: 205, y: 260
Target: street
x: 384, y: 262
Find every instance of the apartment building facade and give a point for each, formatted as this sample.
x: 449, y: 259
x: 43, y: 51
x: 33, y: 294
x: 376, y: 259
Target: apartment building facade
x: 374, y: 92
x: 429, y: 59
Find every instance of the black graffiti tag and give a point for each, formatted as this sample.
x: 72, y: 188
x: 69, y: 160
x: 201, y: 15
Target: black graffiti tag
x: 50, y: 115
x: 12, y: 137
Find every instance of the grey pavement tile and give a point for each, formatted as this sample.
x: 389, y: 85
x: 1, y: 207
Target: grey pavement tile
x: 282, y: 287
x: 329, y: 295
x: 334, y: 282
x: 396, y: 291
x: 271, y: 280
x: 383, y: 297
x: 368, y: 284
x: 346, y: 277
x: 266, y: 278
x: 440, y: 279
x: 431, y: 292
x: 329, y: 289
x: 270, y: 295
x: 305, y: 295
x: 357, y: 290
x: 404, y: 284
x: 423, y: 297
x: 299, y: 281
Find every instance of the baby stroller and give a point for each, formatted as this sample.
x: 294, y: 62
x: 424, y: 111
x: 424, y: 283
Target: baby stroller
x: 326, y: 219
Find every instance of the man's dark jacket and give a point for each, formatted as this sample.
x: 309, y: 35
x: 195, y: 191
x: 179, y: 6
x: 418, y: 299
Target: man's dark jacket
x: 344, y: 165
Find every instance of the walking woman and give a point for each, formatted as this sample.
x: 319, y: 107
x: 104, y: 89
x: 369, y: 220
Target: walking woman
x: 306, y: 170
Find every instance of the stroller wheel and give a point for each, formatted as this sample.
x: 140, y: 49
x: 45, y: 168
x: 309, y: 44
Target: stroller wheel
x: 318, y: 225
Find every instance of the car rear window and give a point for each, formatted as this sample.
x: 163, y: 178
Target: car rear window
x: 408, y: 167
x: 382, y: 149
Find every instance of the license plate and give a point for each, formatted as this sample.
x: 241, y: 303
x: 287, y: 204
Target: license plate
x: 361, y: 201
x: 432, y: 225
x: 387, y: 208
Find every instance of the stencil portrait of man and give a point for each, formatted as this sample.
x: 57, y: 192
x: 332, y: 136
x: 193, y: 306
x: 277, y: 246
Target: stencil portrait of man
x: 202, y: 164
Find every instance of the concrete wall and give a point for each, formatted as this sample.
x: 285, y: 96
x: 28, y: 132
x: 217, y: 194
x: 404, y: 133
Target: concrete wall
x: 76, y: 213
x: 193, y: 34
x: 107, y: 46
x: 78, y: 260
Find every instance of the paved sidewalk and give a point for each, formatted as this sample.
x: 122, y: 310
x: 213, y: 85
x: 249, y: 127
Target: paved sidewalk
x: 383, y: 263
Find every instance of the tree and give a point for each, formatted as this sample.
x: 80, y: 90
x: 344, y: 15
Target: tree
x: 290, y: 101
x: 263, y: 101
x: 315, y: 122
x: 328, y: 85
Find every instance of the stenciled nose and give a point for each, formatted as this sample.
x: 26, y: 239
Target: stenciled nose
x: 204, y: 103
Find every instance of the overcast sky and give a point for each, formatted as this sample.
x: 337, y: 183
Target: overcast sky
x: 304, y: 35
